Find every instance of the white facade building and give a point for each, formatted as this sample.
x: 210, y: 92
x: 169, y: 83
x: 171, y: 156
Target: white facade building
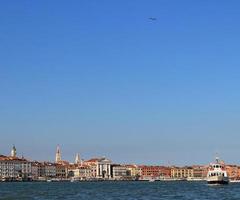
x: 14, y: 168
x: 82, y: 172
x: 104, y: 168
x: 119, y: 172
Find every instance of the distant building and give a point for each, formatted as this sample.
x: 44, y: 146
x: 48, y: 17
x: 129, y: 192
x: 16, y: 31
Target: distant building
x: 78, y: 159
x: 119, y: 172
x: 36, y: 170
x: 156, y: 172
x: 181, y: 172
x: 13, y: 168
x: 133, y: 171
x: 14, y: 152
x: 48, y: 170
x: 92, y: 163
x: 200, y: 171
x: 58, y: 155
x: 82, y: 172
x: 104, y: 168
x: 43, y: 170
x: 232, y: 171
x: 101, y: 167
x: 61, y: 171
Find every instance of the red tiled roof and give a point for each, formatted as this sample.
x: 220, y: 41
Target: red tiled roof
x: 92, y: 160
x: 63, y: 162
x: 10, y: 158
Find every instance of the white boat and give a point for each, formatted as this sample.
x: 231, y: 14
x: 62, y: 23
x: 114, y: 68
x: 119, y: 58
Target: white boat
x: 217, y: 173
x: 151, y: 180
x: 194, y: 179
x: 234, y: 181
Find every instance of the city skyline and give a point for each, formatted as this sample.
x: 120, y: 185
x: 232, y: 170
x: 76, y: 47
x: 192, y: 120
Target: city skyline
x: 14, y: 168
x: 77, y: 158
x: 102, y: 79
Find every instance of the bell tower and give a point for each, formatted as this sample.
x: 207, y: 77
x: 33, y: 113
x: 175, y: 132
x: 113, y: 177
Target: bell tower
x: 58, y: 154
x: 77, y: 159
x: 13, y: 151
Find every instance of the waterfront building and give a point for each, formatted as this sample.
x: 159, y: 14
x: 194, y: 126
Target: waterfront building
x: 93, y: 171
x: 133, y: 171
x: 48, y: 170
x: 200, y: 171
x: 101, y: 167
x: 119, y: 172
x: 238, y: 173
x: 155, y: 172
x: 92, y: 163
x: 70, y: 169
x: 182, y: 172
x: 82, y: 172
x: 232, y: 171
x: 61, y: 171
x: 13, y: 168
x: 36, y: 170
x: 104, y: 168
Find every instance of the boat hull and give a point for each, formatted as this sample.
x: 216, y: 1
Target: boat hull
x: 218, y: 180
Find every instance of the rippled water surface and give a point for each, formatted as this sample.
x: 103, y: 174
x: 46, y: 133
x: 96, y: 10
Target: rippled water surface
x: 119, y: 191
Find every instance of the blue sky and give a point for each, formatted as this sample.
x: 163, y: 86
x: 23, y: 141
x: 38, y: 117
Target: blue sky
x: 101, y: 79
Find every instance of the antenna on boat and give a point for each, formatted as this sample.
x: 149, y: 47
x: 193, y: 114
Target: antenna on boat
x: 217, y: 157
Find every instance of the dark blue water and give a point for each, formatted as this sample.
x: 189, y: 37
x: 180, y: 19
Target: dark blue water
x: 119, y: 191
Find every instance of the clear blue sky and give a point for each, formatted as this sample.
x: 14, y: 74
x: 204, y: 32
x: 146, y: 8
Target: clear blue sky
x: 101, y: 79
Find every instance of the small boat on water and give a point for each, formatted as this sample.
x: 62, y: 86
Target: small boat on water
x: 217, y: 173
x: 151, y: 180
x: 195, y: 179
x: 234, y: 181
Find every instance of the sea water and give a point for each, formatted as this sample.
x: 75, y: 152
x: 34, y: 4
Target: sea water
x: 119, y: 191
